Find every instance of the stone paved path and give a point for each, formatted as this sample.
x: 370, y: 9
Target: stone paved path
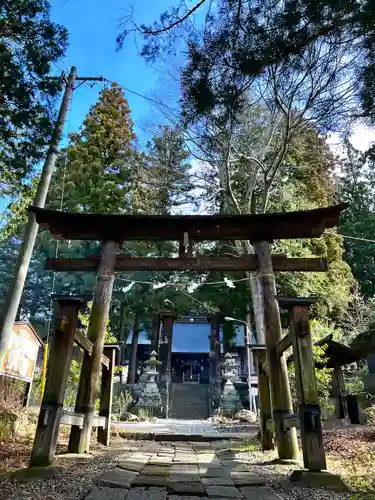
x: 179, y: 471
x: 170, y: 427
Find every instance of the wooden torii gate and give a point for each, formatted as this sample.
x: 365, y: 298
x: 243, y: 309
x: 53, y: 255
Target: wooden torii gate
x: 261, y: 230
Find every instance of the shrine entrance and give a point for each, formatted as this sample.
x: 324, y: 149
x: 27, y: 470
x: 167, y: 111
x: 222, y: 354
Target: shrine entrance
x: 190, y: 368
x: 276, y: 410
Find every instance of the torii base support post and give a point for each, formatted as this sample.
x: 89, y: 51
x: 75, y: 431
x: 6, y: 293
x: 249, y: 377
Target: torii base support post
x: 266, y: 433
x: 61, y: 350
x: 106, y: 393
x: 314, y: 458
x: 281, y: 397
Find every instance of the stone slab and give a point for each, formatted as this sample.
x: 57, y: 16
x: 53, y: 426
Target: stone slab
x: 246, y: 479
x: 156, y: 470
x: 132, y: 466
x: 185, y: 488
x: 138, y: 458
x: 217, y: 481
x: 145, y: 494
x: 212, y: 472
x: 160, y: 460
x: 143, y: 480
x: 117, y: 478
x: 223, y: 492
x: 259, y: 493
x: 106, y: 493
x: 188, y: 459
x: 184, y: 468
x: 310, y: 479
x: 183, y: 497
x: 184, y: 477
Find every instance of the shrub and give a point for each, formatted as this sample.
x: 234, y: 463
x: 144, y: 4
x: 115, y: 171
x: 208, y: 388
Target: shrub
x: 369, y: 414
x: 121, y: 403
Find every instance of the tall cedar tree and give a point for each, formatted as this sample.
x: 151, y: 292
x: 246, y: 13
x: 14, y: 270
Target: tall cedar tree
x: 99, y: 173
x: 168, y: 170
x: 29, y: 44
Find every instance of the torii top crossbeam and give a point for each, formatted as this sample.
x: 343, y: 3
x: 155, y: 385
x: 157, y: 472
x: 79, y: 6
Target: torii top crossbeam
x: 263, y: 227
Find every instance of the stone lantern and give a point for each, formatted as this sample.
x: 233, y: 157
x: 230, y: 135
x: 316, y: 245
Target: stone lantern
x: 230, y: 401
x: 150, y: 396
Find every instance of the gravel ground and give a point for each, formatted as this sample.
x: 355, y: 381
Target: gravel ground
x: 277, y: 477
x: 72, y: 483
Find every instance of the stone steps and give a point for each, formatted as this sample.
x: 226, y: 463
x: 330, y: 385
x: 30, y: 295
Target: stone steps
x: 189, y: 401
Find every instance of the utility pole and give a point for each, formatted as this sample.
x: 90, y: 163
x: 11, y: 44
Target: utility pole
x: 15, y: 290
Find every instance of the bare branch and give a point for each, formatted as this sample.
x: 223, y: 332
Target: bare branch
x: 174, y: 24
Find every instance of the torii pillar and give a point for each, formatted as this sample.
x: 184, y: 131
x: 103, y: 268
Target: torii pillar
x: 281, y: 397
x: 165, y: 355
x: 309, y: 410
x: 79, y: 441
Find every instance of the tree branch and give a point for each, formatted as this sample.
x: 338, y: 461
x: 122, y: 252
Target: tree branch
x: 175, y: 23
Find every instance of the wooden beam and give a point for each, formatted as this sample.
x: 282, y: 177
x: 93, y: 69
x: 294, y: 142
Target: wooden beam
x: 72, y: 418
x: 87, y: 346
x: 284, y: 344
x: 246, y: 263
x: 259, y: 227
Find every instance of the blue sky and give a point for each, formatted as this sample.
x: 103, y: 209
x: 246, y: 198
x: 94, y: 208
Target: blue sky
x: 93, y: 27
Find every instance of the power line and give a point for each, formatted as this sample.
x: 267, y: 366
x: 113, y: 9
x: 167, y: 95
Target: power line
x: 352, y: 237
x: 154, y: 101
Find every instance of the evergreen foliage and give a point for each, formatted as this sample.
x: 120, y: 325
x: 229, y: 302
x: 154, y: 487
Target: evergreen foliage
x: 29, y: 44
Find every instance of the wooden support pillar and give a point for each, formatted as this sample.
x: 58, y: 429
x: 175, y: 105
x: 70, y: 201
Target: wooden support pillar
x: 165, y: 355
x: 266, y: 434
x: 133, y: 352
x: 155, y: 334
x: 79, y: 441
x: 61, y: 350
x: 309, y: 410
x: 337, y: 372
x: 106, y: 392
x: 286, y: 439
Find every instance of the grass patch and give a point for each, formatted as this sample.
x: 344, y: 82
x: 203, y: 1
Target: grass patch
x: 247, y: 446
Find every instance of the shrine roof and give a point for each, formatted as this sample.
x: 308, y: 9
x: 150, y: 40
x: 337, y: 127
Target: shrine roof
x: 268, y: 227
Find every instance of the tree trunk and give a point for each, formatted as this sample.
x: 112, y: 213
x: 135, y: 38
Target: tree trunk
x: 133, y: 354
x: 155, y: 335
